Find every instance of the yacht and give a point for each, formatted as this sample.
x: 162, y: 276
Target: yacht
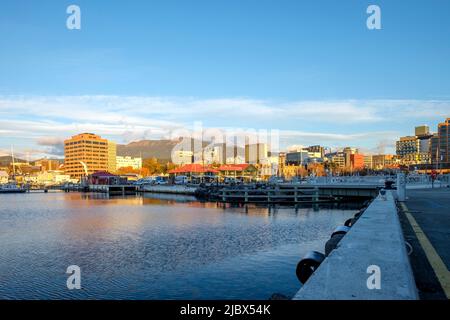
x: 11, y: 186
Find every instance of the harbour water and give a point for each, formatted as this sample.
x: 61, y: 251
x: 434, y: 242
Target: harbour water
x: 154, y: 246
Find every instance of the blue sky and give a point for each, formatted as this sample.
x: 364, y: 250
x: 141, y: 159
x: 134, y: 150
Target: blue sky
x: 139, y: 69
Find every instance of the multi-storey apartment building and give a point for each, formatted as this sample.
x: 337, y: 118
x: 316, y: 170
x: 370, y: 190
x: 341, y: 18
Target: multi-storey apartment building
x: 357, y: 161
x: 256, y: 153
x: 112, y: 155
x: 368, y: 164
x: 384, y: 161
x: 407, y: 145
x: 85, y: 153
x: 440, y: 142
x: 413, y: 150
x: 133, y: 162
x: 337, y: 159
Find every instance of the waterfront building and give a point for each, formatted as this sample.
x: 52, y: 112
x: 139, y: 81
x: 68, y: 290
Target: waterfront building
x: 236, y: 160
x: 214, y: 154
x: 256, y: 153
x: 24, y: 168
x: 384, y: 161
x: 290, y: 171
x: 195, y: 172
x: 105, y: 178
x: 268, y: 167
x: 234, y: 154
x: 182, y: 157
x: 423, y: 130
x: 336, y: 159
x: 434, y: 147
x: 125, y: 162
x: 4, y: 177
x: 130, y: 177
x: 313, y: 159
x: 297, y: 158
x: 243, y: 172
x: 415, y: 150
x: 48, y: 164
x: 281, y: 163
x: 85, y: 154
x: 444, y: 142
x: 407, y: 145
x: 348, y: 152
x: 357, y: 162
x: 52, y: 177
x: 368, y: 162
x: 317, y: 149
x: 440, y: 142
x: 112, y: 156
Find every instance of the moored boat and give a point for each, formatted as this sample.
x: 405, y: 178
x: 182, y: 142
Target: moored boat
x: 11, y: 188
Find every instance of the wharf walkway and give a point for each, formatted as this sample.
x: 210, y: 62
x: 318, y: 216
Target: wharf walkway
x: 425, y: 217
x: 375, y: 240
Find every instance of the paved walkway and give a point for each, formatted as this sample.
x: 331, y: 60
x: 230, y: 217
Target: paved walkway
x: 375, y: 242
x: 425, y: 218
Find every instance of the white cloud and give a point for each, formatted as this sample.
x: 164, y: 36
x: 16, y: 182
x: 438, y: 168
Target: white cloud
x: 47, y: 120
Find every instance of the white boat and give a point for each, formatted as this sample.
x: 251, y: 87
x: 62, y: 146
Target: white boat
x: 11, y: 188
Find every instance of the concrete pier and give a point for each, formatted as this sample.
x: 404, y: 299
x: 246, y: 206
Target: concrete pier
x: 375, y: 240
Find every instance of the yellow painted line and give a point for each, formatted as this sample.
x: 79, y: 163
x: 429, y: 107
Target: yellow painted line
x: 439, y: 267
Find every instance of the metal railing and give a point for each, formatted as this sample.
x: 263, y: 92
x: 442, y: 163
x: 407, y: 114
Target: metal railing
x: 411, y: 180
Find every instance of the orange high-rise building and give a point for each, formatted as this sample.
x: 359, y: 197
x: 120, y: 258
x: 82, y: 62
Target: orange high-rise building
x: 357, y: 161
x: 85, y: 152
x: 440, y: 150
x: 444, y: 140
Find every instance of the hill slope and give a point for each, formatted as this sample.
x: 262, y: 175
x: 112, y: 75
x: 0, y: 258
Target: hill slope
x: 6, y: 160
x: 159, y: 149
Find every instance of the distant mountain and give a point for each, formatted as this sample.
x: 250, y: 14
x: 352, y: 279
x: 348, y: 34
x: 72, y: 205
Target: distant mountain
x: 159, y: 149
x: 6, y: 160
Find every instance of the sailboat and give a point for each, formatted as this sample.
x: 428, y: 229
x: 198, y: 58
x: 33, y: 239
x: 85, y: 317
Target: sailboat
x: 12, y: 186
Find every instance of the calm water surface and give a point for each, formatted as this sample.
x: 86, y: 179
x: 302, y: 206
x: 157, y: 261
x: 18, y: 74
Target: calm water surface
x: 154, y: 247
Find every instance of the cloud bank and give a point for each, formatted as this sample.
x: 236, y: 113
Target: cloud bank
x: 44, y: 121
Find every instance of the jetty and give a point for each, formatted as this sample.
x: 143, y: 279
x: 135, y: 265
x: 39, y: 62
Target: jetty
x: 286, y: 193
x: 376, y: 242
x: 169, y: 189
x: 113, y: 189
x: 395, y: 249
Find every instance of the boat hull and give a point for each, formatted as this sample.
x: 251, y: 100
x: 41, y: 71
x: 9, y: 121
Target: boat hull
x: 13, y: 191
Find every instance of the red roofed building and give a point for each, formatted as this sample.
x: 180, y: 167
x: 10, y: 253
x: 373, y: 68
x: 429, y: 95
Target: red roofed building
x: 245, y: 172
x: 193, y: 168
x: 233, y: 167
x: 105, y: 178
x: 196, y: 173
x: 241, y: 171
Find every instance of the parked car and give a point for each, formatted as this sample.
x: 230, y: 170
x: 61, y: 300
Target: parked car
x: 147, y: 180
x: 275, y: 180
x: 160, y: 180
x: 230, y: 180
x: 181, y: 180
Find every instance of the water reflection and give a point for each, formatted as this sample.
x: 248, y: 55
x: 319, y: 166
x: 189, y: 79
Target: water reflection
x: 155, y: 246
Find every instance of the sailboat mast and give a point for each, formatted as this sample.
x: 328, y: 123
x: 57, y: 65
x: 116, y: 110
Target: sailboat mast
x: 12, y: 159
